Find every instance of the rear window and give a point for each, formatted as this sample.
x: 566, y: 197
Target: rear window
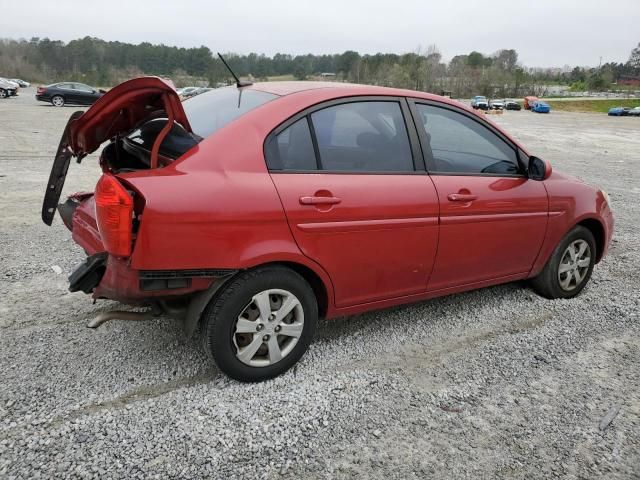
x: 212, y: 110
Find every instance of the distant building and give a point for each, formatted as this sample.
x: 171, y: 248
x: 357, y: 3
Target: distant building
x: 632, y: 81
x: 550, y: 90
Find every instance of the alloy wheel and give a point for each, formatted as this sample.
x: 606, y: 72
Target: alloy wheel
x: 268, y: 328
x: 57, y: 101
x: 574, y: 265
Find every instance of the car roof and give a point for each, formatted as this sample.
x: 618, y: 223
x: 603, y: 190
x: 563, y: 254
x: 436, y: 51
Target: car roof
x: 287, y: 88
x: 340, y: 89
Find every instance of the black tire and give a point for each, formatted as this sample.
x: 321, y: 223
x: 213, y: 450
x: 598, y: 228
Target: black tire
x: 3, y: 93
x: 60, y: 101
x: 547, y: 283
x: 221, y: 316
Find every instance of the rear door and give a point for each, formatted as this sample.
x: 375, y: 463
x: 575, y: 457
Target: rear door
x: 357, y: 203
x: 492, y: 217
x: 67, y: 90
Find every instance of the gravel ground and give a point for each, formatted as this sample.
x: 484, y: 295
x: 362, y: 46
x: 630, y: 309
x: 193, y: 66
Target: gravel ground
x: 497, y: 383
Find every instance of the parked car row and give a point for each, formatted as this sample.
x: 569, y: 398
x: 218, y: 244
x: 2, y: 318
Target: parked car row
x: 74, y: 93
x: 188, y: 92
x: 624, y: 112
x: 480, y: 102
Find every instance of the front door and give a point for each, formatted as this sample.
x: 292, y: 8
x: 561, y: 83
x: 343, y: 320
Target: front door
x: 492, y: 217
x: 84, y: 94
x: 347, y: 178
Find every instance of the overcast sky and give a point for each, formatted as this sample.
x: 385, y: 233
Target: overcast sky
x: 544, y: 32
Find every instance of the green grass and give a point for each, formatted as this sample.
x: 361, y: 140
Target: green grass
x: 592, y: 106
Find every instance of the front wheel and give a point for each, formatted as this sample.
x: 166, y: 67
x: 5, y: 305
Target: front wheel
x: 57, y: 101
x: 3, y: 93
x: 570, y: 266
x: 261, y: 323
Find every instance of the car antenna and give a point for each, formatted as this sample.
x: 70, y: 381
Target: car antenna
x: 239, y: 83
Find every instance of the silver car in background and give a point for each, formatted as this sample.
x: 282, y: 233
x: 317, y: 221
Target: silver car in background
x: 8, y: 88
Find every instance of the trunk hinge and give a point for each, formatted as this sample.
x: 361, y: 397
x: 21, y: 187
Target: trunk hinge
x: 163, y: 133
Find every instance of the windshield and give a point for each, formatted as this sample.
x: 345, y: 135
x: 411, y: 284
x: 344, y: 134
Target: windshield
x: 212, y: 110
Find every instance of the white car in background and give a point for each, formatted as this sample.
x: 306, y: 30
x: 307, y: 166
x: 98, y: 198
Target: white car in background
x: 7, y: 88
x: 480, y: 102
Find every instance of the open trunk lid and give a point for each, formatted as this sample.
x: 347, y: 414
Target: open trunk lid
x: 115, y: 113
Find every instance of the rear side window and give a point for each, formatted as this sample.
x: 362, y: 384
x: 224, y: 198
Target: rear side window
x: 363, y: 137
x: 455, y: 143
x: 212, y: 110
x: 292, y: 149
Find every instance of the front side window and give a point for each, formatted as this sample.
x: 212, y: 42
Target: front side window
x: 455, y: 143
x: 82, y: 87
x: 368, y: 136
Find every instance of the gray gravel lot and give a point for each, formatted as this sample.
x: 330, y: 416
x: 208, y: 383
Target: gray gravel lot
x: 497, y: 383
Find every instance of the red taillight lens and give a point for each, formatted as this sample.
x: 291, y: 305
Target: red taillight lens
x: 41, y: 90
x: 114, y: 212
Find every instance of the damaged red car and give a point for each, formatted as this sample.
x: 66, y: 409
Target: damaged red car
x: 249, y: 212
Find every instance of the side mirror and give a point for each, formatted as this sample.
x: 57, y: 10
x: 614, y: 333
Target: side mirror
x: 539, y: 169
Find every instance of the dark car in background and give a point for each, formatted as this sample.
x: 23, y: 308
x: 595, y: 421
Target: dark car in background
x: 60, y: 94
x: 512, y: 105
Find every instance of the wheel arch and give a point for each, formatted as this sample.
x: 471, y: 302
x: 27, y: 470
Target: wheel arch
x: 317, y: 279
x: 315, y: 282
x: 596, y: 228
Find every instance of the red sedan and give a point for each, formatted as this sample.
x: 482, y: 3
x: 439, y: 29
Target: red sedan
x: 250, y: 212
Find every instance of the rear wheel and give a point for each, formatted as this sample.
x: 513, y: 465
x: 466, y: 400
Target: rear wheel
x: 570, y: 266
x: 57, y: 101
x: 261, y: 324
x: 3, y: 93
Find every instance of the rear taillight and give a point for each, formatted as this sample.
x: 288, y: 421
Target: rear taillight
x: 114, y: 212
x: 41, y: 90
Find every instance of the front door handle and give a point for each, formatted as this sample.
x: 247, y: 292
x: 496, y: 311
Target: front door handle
x: 462, y: 197
x: 319, y: 200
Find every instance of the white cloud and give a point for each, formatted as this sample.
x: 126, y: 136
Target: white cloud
x: 545, y: 32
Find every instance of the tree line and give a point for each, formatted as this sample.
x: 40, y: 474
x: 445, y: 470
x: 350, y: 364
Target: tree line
x: 106, y: 63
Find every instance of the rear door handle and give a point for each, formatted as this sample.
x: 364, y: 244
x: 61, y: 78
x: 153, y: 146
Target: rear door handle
x: 319, y: 200
x: 462, y: 197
